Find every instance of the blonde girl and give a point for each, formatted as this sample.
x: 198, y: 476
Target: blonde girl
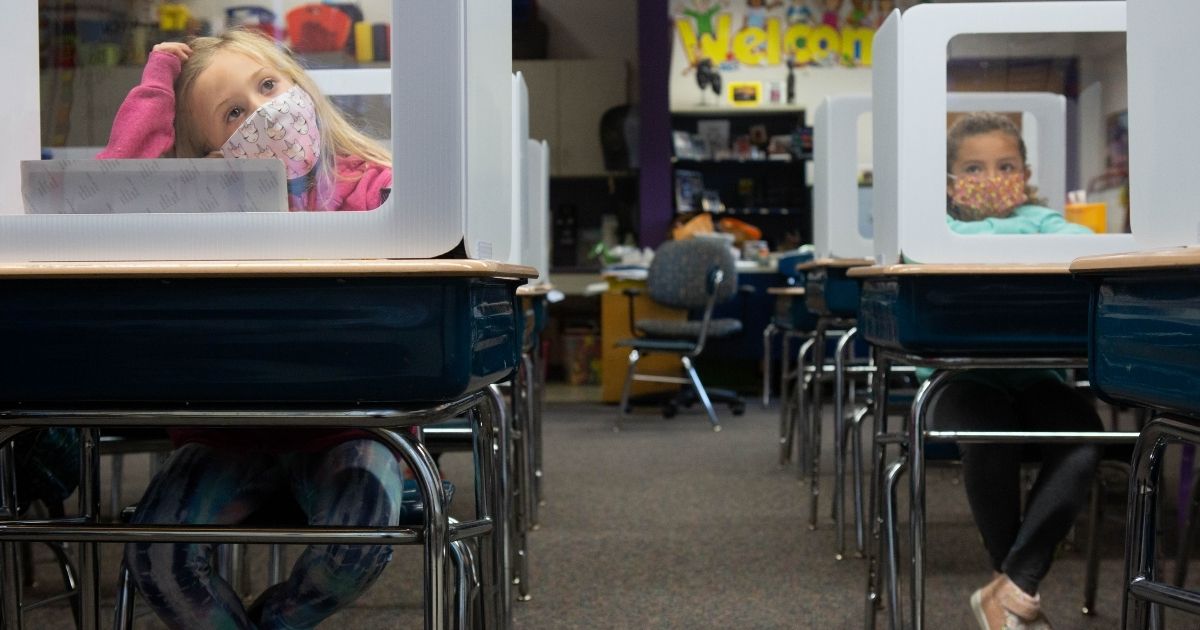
x: 241, y: 95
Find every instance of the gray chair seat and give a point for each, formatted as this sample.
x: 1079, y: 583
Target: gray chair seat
x: 689, y: 329
x: 660, y: 345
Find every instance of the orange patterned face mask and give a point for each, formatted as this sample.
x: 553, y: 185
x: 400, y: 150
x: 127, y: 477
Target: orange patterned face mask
x: 978, y: 198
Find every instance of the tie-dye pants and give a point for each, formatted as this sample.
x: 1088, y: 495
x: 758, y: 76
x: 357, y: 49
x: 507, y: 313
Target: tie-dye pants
x: 354, y: 483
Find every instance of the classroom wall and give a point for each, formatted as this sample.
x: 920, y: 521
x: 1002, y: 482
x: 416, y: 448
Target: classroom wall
x: 579, y: 29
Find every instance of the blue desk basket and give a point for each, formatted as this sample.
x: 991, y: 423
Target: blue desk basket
x: 242, y: 340
x: 798, y: 316
x: 977, y: 315
x: 831, y: 293
x: 1144, y: 340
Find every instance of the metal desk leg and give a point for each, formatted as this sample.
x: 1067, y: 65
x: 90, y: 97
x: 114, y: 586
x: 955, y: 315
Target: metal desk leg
x: 89, y: 509
x: 916, y: 455
x: 501, y: 508
x: 523, y: 466
x: 10, y: 611
x: 769, y: 334
x: 437, y: 525
x: 539, y: 390
x: 815, y: 422
x: 800, y: 409
x: 857, y: 470
x: 1143, y: 597
x: 840, y: 427
x: 878, y: 457
x: 891, y: 533
x: 786, y: 419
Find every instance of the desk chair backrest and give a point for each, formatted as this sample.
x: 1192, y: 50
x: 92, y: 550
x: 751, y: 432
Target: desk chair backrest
x: 683, y: 273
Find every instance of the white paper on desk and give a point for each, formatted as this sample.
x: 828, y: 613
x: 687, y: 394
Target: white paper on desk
x: 200, y: 185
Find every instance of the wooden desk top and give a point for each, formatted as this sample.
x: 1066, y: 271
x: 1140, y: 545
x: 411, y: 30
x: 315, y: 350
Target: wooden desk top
x: 835, y: 262
x: 534, y: 290
x: 1173, y: 258
x: 876, y: 271
x: 792, y: 291
x: 267, y: 268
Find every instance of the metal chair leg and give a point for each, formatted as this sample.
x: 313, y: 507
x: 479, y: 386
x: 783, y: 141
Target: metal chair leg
x: 703, y: 395
x: 623, y: 411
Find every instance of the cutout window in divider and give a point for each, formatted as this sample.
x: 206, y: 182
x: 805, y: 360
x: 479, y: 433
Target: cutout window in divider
x: 910, y: 109
x: 838, y: 232
x: 445, y: 96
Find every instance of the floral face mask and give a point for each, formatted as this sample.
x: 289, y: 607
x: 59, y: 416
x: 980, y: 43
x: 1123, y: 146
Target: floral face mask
x: 977, y: 198
x: 284, y: 128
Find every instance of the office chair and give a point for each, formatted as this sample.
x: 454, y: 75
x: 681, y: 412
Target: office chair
x: 695, y: 274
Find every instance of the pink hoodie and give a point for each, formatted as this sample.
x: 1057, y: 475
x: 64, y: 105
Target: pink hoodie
x: 145, y: 128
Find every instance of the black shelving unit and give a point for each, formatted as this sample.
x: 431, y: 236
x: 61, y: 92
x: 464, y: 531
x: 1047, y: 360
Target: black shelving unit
x: 772, y: 194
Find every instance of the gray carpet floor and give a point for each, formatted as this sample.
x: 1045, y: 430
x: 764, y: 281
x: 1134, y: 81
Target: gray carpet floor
x: 670, y: 525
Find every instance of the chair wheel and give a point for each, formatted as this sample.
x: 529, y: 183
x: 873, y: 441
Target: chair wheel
x: 738, y: 408
x: 669, y: 410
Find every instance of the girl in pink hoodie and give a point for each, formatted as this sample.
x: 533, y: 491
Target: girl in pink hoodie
x: 241, y: 95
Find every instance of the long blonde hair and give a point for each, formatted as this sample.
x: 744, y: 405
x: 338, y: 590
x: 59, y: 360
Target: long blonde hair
x: 338, y: 137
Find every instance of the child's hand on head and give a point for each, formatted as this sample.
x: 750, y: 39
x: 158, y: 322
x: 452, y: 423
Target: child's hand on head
x: 178, y: 49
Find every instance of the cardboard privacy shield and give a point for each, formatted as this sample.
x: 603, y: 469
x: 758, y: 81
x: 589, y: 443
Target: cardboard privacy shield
x: 518, y: 252
x: 537, y: 238
x: 443, y: 98
x: 840, y: 233
x: 909, y: 90
x: 1163, y: 137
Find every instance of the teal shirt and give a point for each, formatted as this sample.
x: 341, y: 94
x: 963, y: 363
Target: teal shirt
x: 1027, y: 219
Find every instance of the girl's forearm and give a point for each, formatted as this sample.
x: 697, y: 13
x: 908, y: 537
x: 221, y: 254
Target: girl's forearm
x: 145, y: 124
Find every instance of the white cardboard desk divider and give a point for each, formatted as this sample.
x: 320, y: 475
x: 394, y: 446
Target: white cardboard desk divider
x: 519, y: 243
x: 443, y: 194
x: 538, y: 235
x: 836, y: 231
x: 1163, y: 134
x: 909, y: 89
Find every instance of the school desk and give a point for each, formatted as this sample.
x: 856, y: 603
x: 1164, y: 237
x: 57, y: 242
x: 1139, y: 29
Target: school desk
x: 1144, y: 350
x: 379, y: 345
x: 953, y: 317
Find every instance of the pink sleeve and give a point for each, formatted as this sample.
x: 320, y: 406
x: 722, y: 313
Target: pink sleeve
x: 145, y: 123
x: 368, y: 191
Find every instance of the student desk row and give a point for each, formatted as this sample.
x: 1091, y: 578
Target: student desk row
x: 378, y: 345
x: 1144, y: 350
x: 834, y: 297
x: 527, y: 390
x: 955, y: 317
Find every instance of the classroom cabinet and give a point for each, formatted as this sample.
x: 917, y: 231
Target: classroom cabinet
x: 567, y: 97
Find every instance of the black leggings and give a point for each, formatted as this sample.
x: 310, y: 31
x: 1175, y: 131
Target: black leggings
x: 1020, y: 547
